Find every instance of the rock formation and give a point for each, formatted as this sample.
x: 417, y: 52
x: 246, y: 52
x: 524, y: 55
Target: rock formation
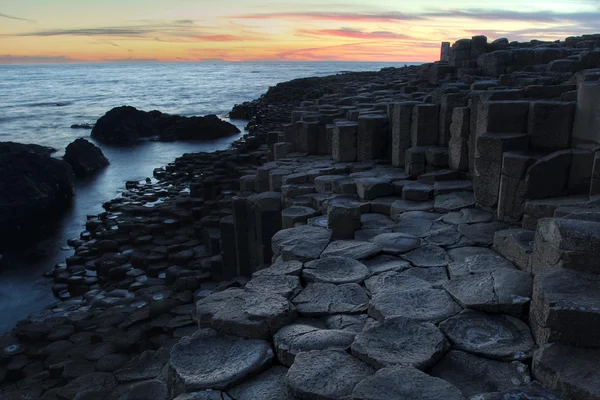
x: 84, y: 158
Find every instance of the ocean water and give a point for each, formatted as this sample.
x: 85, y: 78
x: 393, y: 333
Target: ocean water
x: 39, y: 103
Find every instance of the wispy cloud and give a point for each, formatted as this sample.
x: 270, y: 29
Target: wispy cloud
x: 15, y: 18
x: 511, y: 15
x: 391, y: 16
x: 356, y: 34
x: 10, y: 59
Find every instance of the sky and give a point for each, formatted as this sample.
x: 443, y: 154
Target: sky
x: 59, y: 31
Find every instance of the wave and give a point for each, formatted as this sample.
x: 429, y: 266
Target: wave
x: 49, y: 104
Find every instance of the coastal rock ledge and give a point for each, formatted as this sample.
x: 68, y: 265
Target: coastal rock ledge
x: 126, y: 125
x: 84, y: 157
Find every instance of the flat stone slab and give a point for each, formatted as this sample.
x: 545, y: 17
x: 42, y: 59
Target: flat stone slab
x: 500, y: 290
x: 400, y: 341
x: 566, y: 308
x: 326, y: 298
x: 419, y: 227
x: 355, y: 249
x: 461, y: 253
x: 431, y: 305
x: 494, y: 336
x: 396, y: 281
x: 95, y: 381
x: 533, y: 391
x: 204, y: 395
x: 474, y: 375
x: 480, y: 263
x: 396, y: 243
x: 402, y: 206
x: 444, y: 187
x: 482, y: 233
x: 147, y: 365
x: 400, y: 382
x: 446, y: 238
x: 436, y: 276
x: 245, y: 313
x: 209, y: 360
x: 453, y: 201
x: 325, y: 374
x: 427, y: 256
x: 292, y: 268
x: 270, y: 385
x: 295, y: 338
x: 303, y: 243
x: 376, y: 221
x: 284, y: 285
x: 571, y: 371
x: 386, y: 263
x: 336, y: 270
x: 351, y: 323
x: 468, y: 216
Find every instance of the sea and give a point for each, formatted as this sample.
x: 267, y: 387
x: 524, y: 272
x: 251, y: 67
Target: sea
x: 39, y: 103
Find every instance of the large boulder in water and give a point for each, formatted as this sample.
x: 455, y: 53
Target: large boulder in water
x: 84, y: 157
x: 34, y: 189
x: 12, y: 147
x: 124, y: 125
x: 198, y: 128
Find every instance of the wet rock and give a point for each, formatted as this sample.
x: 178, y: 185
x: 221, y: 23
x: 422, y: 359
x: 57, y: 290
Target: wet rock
x: 245, y: 313
x: 325, y: 374
x: 573, y: 372
x: 494, y: 336
x: 295, y: 338
x: 84, y: 158
x: 325, y: 298
x: 355, y: 249
x: 474, y: 375
x: 208, y: 360
x: 432, y: 305
x: 400, y: 341
x: 399, y: 382
x: 335, y: 270
x: 270, y: 385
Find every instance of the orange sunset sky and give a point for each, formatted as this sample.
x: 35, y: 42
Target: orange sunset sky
x: 54, y: 31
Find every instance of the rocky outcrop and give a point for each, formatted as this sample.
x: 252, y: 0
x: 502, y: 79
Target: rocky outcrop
x: 126, y: 125
x: 84, y: 157
x: 34, y: 189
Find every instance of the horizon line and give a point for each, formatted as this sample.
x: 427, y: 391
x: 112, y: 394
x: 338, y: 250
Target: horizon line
x: 141, y: 61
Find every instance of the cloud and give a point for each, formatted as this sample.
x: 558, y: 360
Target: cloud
x: 10, y: 59
x: 357, y: 34
x: 510, y: 15
x: 15, y: 18
x: 391, y: 16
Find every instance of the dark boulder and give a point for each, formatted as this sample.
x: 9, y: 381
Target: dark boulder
x: 12, y: 147
x: 124, y: 125
x: 34, y: 189
x: 82, y: 126
x: 198, y: 128
x: 84, y: 157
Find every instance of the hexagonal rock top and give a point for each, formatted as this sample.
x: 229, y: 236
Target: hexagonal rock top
x: 355, y: 249
x: 396, y: 243
x: 303, y: 243
x: 336, y: 270
x: 244, y: 313
x: 270, y: 385
x: 427, y: 256
x: 400, y: 341
x: 399, y: 382
x: 432, y: 305
x: 295, y: 338
x: 325, y: 374
x: 394, y: 280
x: 478, y: 263
x: 284, y: 285
x: 494, y: 336
x: 208, y: 360
x: 325, y: 298
x: 292, y: 268
x: 500, y: 290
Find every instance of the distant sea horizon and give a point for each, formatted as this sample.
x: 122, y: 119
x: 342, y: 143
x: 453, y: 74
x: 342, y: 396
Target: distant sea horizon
x: 3, y: 62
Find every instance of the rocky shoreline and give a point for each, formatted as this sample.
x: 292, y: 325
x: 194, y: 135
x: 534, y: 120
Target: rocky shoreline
x: 416, y: 233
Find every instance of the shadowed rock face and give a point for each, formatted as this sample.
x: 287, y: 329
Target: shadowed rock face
x: 126, y: 125
x: 84, y: 157
x: 34, y: 189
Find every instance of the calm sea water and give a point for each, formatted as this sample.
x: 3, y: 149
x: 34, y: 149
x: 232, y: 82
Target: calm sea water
x: 39, y: 103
